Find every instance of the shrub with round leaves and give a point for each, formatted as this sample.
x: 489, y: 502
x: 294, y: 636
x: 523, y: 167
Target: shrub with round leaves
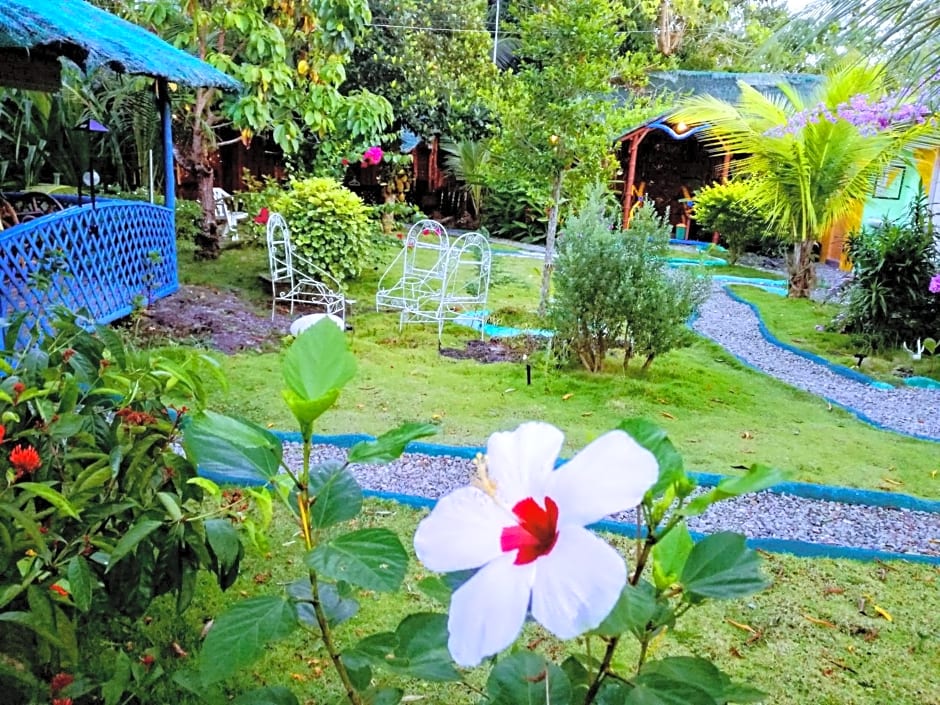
x: 329, y: 225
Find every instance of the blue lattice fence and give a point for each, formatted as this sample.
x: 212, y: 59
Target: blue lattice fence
x: 98, y: 260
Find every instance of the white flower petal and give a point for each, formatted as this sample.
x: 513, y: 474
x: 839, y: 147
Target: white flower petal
x: 462, y: 531
x: 610, y: 475
x: 520, y: 461
x: 577, y: 584
x: 487, y: 612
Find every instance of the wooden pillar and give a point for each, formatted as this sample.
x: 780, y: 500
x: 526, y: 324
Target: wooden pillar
x: 635, y: 140
x: 166, y: 123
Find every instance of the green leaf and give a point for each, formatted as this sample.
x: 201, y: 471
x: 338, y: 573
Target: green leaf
x: 239, y: 636
x: 316, y: 367
x: 706, y: 676
x: 389, y: 446
x: 231, y: 448
x: 306, y: 411
x: 370, y: 558
x: 637, y: 610
x: 227, y: 549
x: 81, y: 582
x: 757, y: 478
x: 53, y: 497
x: 578, y: 676
x: 670, y: 554
x: 358, y: 668
x: 657, y: 689
x: 382, y: 696
x: 418, y: 648
x: 437, y: 589
x: 721, y: 566
x: 655, y: 440
x: 337, y: 495
x: 269, y: 695
x: 526, y: 677
x: 129, y: 541
x: 337, y: 607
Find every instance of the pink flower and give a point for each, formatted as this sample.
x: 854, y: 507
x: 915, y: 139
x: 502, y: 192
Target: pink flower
x: 373, y: 155
x: 934, y: 286
x: 523, y: 527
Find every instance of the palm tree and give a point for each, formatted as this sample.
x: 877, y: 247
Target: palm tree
x: 812, y: 167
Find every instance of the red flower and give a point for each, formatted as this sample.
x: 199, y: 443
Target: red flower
x: 24, y: 460
x: 67, y: 355
x: 147, y: 660
x: 2, y: 433
x: 18, y: 388
x: 262, y: 217
x: 60, y: 681
x: 62, y: 701
x: 59, y: 590
x: 345, y: 162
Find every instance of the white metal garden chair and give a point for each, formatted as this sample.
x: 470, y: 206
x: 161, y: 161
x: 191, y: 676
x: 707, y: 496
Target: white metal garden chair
x: 226, y: 218
x: 418, y: 269
x: 462, y: 293
x: 297, y: 280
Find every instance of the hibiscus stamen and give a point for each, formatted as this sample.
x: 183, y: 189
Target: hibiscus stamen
x: 535, y: 534
x: 482, y: 480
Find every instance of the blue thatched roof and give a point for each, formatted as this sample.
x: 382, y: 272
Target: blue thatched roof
x: 724, y: 85
x: 92, y: 37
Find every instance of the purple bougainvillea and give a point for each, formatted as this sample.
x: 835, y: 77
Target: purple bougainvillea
x: 934, y: 286
x: 868, y: 116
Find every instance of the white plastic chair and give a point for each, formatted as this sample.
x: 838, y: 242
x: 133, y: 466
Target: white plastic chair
x: 226, y: 218
x: 418, y: 268
x: 462, y: 293
x: 297, y: 280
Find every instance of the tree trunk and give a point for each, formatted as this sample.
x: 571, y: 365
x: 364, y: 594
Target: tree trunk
x: 208, y: 241
x: 801, y: 269
x: 549, y: 263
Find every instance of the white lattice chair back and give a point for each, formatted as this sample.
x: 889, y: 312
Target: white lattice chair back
x: 279, y: 253
x: 468, y: 276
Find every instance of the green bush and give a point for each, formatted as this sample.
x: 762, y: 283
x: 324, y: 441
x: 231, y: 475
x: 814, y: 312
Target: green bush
x: 329, y: 224
x: 728, y: 209
x: 99, y: 515
x: 188, y: 219
x: 888, y: 301
x: 613, y: 288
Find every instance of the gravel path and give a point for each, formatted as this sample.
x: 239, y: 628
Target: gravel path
x: 759, y: 515
x: 734, y: 326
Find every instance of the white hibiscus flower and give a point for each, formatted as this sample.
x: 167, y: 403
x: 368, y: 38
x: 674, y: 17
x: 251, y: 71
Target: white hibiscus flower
x: 523, y: 527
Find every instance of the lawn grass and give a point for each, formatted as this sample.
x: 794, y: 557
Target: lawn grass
x: 798, y: 322
x: 804, y: 640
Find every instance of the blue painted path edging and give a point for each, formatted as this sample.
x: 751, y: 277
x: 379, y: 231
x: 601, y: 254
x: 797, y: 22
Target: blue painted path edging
x: 804, y: 549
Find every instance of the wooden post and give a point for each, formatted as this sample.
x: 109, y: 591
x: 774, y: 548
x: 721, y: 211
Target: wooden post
x: 635, y: 140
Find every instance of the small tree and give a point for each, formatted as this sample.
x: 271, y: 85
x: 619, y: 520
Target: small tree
x: 613, y: 288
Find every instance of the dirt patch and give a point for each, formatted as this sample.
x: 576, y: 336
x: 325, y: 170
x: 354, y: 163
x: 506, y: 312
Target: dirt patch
x: 203, y: 315
x: 496, y: 349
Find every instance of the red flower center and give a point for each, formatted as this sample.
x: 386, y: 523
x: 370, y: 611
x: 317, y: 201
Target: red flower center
x: 536, y: 532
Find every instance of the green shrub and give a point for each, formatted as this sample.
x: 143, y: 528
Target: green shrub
x: 888, y: 301
x: 728, y: 209
x: 513, y: 213
x: 188, y: 220
x: 613, y: 288
x: 329, y: 224
x: 99, y: 516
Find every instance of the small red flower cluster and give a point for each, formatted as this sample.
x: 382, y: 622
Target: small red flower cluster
x: 25, y: 460
x: 60, y: 682
x: 18, y: 388
x: 135, y: 418
x: 59, y: 590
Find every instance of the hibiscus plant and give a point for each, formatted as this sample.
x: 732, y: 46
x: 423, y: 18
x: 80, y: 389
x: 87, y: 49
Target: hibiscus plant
x: 516, y: 545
